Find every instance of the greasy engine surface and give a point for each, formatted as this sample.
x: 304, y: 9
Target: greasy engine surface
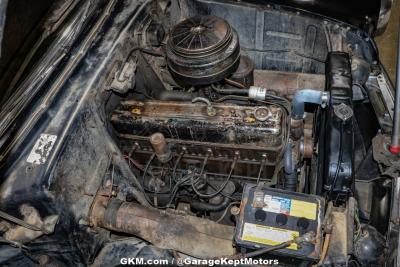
x: 208, y: 119
x: 187, y: 131
x: 222, y: 127
x: 255, y: 135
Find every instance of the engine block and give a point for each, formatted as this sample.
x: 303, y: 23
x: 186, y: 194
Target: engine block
x: 255, y: 135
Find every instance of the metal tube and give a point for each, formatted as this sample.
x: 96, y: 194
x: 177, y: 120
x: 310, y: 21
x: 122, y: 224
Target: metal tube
x: 306, y: 96
x: 190, y: 235
x: 160, y: 147
x: 395, y: 144
x: 22, y: 223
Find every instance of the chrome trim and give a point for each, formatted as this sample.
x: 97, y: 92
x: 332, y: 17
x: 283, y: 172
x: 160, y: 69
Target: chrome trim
x: 387, y: 93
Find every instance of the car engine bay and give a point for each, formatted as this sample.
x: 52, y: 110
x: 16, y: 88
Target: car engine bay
x: 215, y: 129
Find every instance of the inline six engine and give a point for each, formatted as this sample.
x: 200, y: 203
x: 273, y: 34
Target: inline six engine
x: 199, y: 130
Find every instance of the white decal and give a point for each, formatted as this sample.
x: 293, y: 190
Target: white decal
x: 41, y: 149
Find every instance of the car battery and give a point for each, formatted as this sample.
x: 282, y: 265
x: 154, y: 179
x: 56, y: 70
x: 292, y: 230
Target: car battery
x: 269, y: 217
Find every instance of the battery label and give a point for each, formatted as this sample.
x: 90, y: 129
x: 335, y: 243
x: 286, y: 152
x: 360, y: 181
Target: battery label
x: 268, y: 235
x: 303, y: 209
x: 277, y: 204
x: 290, y: 207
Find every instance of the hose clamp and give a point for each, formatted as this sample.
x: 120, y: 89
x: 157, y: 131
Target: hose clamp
x: 324, y: 99
x: 257, y: 93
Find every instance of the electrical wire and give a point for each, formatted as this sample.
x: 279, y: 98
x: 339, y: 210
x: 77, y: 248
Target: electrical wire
x: 230, y: 91
x: 203, y: 166
x: 290, y: 51
x: 22, y: 223
x: 262, y: 251
x: 363, y: 90
x: 176, y: 165
x: 358, y: 224
x: 143, y: 50
x: 147, y: 167
x: 328, y: 38
x: 175, y: 190
x: 226, y: 211
x: 145, y: 171
x: 339, y: 163
x: 371, y: 180
x: 261, y: 170
x: 134, y: 162
x: 354, y: 263
x: 235, y: 83
x: 173, y: 194
x: 151, y: 52
x: 222, y: 186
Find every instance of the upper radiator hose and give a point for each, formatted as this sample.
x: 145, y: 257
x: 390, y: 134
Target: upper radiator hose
x: 307, y: 96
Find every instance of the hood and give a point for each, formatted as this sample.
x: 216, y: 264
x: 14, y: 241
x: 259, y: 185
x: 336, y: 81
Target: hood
x: 23, y: 24
x: 3, y: 9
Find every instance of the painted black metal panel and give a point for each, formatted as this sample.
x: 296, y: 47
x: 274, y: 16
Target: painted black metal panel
x: 357, y: 12
x: 274, y: 39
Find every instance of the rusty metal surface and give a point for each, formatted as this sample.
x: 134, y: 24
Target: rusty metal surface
x: 187, y: 234
x: 233, y: 132
x: 308, y: 141
x: 21, y: 234
x: 198, y: 150
x: 340, y: 221
x: 389, y: 163
x: 171, y: 113
x: 160, y: 147
x: 287, y: 83
x: 234, y: 129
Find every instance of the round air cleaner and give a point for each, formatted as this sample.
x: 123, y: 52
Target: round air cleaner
x: 202, y: 50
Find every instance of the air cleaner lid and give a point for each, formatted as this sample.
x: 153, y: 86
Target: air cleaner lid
x: 200, y: 34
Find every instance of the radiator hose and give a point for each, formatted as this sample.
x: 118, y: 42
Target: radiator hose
x: 307, y: 96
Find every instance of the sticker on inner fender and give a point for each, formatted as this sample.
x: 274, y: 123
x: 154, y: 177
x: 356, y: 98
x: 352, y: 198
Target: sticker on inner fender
x: 42, y: 148
x: 290, y: 207
x: 268, y: 235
